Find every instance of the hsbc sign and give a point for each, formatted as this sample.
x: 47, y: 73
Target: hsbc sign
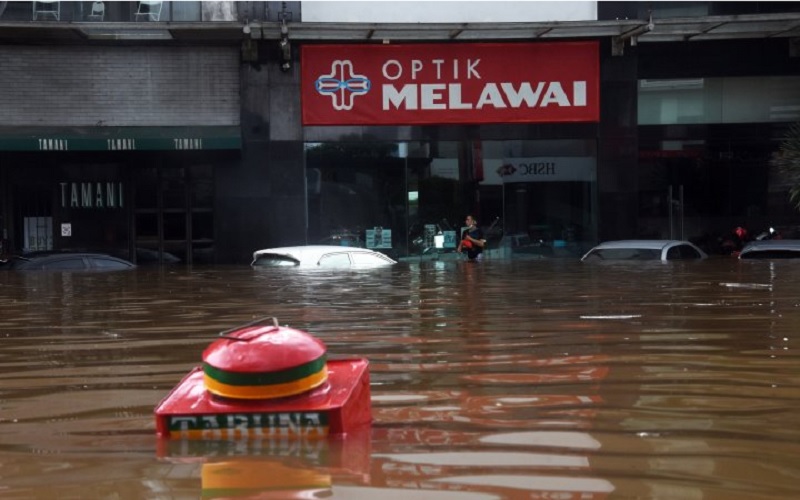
x: 450, y: 83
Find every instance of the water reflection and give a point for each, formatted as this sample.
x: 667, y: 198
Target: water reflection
x: 535, y: 379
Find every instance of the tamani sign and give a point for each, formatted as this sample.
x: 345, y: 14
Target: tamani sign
x: 450, y: 83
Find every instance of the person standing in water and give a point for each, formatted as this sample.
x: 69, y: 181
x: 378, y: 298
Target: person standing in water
x: 472, y: 240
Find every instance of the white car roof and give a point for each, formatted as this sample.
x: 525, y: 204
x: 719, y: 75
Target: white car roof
x: 648, y: 244
x: 635, y: 245
x: 306, y: 253
x: 793, y: 245
x: 310, y: 250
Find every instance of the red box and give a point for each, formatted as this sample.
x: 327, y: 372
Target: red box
x: 340, y: 405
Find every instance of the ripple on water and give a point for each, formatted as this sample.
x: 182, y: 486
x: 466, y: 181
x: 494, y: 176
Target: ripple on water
x: 502, y: 380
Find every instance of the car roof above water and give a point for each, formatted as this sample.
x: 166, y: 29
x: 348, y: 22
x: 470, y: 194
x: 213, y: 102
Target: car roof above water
x: 57, y: 260
x: 771, y: 249
x: 664, y: 250
x: 309, y: 251
x: 647, y: 244
x: 312, y: 255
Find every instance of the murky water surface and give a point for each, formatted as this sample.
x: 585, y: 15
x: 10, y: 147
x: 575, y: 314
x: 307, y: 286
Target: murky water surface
x: 537, y: 379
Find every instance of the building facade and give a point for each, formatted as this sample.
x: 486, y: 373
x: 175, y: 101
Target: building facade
x: 201, y: 131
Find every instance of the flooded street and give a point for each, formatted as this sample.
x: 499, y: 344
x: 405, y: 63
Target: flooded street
x: 519, y: 379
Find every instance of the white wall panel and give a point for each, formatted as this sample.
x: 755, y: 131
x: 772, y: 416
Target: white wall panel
x: 448, y: 11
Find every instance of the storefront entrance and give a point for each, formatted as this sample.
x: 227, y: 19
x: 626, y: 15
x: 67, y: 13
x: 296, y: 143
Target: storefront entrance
x: 702, y: 186
x: 409, y: 199
x: 173, y: 216
x: 161, y: 213
x: 64, y: 202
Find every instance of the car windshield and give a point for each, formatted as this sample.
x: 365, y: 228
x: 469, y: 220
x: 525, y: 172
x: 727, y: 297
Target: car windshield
x: 624, y: 254
x: 106, y: 263
x: 335, y: 260
x: 369, y: 260
x: 275, y: 260
x: 66, y: 264
x: 683, y: 252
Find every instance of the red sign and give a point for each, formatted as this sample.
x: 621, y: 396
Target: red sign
x: 450, y: 83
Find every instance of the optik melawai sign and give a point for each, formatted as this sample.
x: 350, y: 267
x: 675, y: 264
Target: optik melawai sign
x: 450, y: 83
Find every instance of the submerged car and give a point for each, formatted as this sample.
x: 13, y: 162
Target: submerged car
x: 68, y: 261
x: 771, y: 249
x: 663, y: 250
x: 320, y: 256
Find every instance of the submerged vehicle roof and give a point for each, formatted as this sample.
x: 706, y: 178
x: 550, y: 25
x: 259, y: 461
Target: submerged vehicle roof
x: 771, y: 249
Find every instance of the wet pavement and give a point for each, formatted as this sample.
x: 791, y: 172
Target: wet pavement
x: 503, y: 379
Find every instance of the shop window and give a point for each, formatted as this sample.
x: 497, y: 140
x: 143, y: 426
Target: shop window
x: 38, y: 234
x: 145, y: 193
x: 406, y: 192
x: 202, y: 186
x: 701, y: 187
x: 416, y: 194
x: 202, y: 226
x: 174, y: 226
x: 542, y: 193
x: 174, y: 215
x: 353, y: 187
x: 719, y: 100
x: 147, y: 226
x: 173, y: 187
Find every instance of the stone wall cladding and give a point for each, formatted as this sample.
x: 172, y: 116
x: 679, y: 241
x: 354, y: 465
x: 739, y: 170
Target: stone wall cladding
x: 119, y: 86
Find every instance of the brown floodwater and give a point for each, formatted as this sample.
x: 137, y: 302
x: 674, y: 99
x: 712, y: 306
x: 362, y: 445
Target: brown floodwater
x: 518, y: 379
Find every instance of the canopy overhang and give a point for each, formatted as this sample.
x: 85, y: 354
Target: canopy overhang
x: 678, y: 29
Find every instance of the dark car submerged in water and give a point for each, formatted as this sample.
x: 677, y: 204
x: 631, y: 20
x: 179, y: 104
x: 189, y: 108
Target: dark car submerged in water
x: 66, y: 261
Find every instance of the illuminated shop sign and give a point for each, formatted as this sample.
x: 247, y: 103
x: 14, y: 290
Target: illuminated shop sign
x: 450, y: 83
x: 91, y: 195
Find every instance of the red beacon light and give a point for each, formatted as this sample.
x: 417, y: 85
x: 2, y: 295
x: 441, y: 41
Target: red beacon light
x: 262, y: 380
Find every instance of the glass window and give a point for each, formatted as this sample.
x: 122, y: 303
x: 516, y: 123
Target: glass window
x: 625, y: 254
x: 189, y: 11
x: 368, y: 260
x: 173, y: 187
x: 145, y: 184
x: 437, y: 189
x: 688, y: 252
x: 772, y: 254
x: 543, y: 191
x: 674, y: 253
x: 335, y: 260
x: 103, y: 263
x: 353, y: 187
x: 719, y: 100
x: 421, y: 191
x: 147, y: 226
x: 65, y: 264
x: 202, y: 226
x: 174, y: 226
x: 273, y: 260
x: 202, y: 186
